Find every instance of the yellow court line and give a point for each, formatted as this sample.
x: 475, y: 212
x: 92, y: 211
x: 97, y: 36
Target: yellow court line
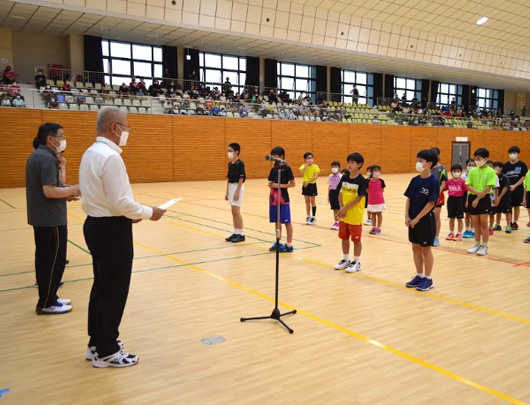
x: 339, y: 328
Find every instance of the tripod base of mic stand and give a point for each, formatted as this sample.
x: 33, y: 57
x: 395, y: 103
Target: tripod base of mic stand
x: 275, y: 315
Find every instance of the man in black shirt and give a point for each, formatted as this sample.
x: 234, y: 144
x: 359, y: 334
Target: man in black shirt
x: 516, y: 171
x: 234, y: 191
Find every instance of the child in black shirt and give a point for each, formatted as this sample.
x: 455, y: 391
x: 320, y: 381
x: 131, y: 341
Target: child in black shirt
x: 234, y: 191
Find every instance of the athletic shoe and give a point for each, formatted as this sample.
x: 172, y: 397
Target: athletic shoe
x: 425, y: 284
x: 91, y: 351
x: 238, y: 238
x: 483, y: 251
x: 515, y: 226
x: 67, y: 261
x: 468, y: 234
x: 368, y: 222
x: 491, y: 231
x: 56, y: 309
x: 414, y: 282
x: 354, y: 267
x: 372, y: 231
x: 118, y: 359
x: 273, y: 247
x: 335, y: 226
x: 343, y: 264
x: 60, y: 285
x: 308, y: 221
x: 451, y: 236
x: 471, y: 234
x: 527, y: 240
x: 286, y: 248
x: 474, y: 249
x: 231, y: 237
x: 508, y: 229
x: 64, y: 301
x: 377, y: 231
x: 458, y: 237
x: 312, y: 221
x: 497, y: 227
x: 436, y: 242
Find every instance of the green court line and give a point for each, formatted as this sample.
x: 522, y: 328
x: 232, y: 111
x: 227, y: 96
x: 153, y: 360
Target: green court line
x: 151, y: 270
x: 6, y: 203
x: 142, y: 257
x: 79, y: 247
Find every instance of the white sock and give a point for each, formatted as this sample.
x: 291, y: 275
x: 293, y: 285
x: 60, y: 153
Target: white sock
x: 356, y: 258
x: 347, y: 257
x: 419, y: 275
x: 428, y: 277
x: 236, y: 231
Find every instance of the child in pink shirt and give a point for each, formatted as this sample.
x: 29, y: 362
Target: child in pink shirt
x: 456, y: 202
x: 376, y: 199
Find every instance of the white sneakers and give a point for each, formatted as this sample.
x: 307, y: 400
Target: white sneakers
x: 368, y: 222
x: 64, y: 301
x: 91, y: 351
x: 474, y: 249
x: 480, y: 250
x: 118, y: 359
x: 310, y: 221
x: 350, y: 267
x: 58, y: 308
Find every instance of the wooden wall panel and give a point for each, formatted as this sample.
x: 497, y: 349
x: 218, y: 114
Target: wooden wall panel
x: 475, y: 138
x: 421, y: 138
x: 367, y: 140
x: 199, y: 148
x: 495, y: 144
x: 254, y: 136
x: 395, y: 157
x: 296, y: 138
x: 18, y: 129
x: 445, y: 139
x: 330, y: 142
x: 510, y: 138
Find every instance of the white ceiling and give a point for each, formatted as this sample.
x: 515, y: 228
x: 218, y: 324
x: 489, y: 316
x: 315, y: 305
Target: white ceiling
x: 508, y: 26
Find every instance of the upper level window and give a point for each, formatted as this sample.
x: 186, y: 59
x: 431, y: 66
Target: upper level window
x: 297, y: 79
x: 214, y: 69
x: 357, y: 87
x: 410, y: 88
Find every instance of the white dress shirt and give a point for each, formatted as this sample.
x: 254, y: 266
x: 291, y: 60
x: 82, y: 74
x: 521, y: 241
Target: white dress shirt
x: 104, y: 183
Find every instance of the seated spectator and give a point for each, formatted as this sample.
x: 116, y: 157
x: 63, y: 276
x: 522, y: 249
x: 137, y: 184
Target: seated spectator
x: 40, y: 79
x: 272, y: 96
x: 155, y: 89
x: 67, y: 86
x: 243, y: 111
x: 168, y: 108
x: 18, y: 101
x: 5, y: 101
x: 133, y: 86
x: 123, y: 90
x: 53, y: 104
x: 14, y: 89
x: 141, y: 85
x: 8, y: 76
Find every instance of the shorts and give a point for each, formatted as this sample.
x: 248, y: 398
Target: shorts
x: 376, y: 207
x: 366, y: 201
x: 483, y: 207
x: 517, y: 196
x: 347, y: 231
x: 310, y: 190
x: 528, y: 200
x: 505, y: 205
x: 334, y: 199
x: 455, y: 207
x: 441, y: 200
x: 424, y: 232
x: 232, y: 187
x: 285, y: 213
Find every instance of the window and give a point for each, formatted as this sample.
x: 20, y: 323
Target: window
x: 122, y: 60
x: 487, y: 98
x: 447, y: 92
x: 214, y: 69
x: 411, y: 88
x: 363, y: 82
x: 297, y: 79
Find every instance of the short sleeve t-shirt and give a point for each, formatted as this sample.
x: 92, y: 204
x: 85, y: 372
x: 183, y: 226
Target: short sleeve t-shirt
x: 236, y: 171
x: 350, y: 188
x: 440, y: 173
x: 515, y: 171
x: 456, y: 188
x: 333, y: 181
x: 310, y: 172
x: 481, y: 177
x: 375, y: 191
x: 286, y: 175
x: 42, y: 170
x: 420, y: 192
x: 527, y: 181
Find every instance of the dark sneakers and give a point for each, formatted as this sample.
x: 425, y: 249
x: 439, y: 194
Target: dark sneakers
x: 238, y: 238
x: 414, y: 282
x: 425, y: 284
x: 231, y: 237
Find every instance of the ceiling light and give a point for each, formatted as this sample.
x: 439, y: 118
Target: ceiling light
x: 482, y: 20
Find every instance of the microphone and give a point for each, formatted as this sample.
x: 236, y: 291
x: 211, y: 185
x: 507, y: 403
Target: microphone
x: 269, y: 157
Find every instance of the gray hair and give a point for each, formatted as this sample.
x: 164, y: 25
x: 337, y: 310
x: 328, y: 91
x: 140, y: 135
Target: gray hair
x: 106, y: 116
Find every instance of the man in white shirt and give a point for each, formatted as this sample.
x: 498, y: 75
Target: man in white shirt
x: 111, y: 210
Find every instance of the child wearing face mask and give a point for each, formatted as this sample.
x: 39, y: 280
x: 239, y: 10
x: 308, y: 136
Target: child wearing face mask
x: 480, y: 184
x: 516, y: 171
x: 503, y: 202
x: 368, y: 214
x: 493, y: 196
x: 457, y: 189
x: 333, y: 193
x: 234, y: 191
x: 526, y: 198
x: 310, y: 171
x: 376, y: 199
x: 469, y: 232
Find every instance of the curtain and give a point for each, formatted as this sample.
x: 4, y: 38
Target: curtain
x: 378, y: 87
x: 271, y: 73
x: 94, y: 57
x: 435, y: 86
x: 252, y: 71
x: 169, y: 61
x: 466, y: 93
x: 389, y: 86
x: 322, y: 81
x: 335, y: 87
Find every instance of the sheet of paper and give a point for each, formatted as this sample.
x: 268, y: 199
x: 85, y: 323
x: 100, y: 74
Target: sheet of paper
x: 168, y: 204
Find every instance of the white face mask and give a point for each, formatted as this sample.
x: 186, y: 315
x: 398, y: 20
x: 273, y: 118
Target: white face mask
x: 419, y: 167
x: 456, y: 175
x: 513, y: 156
x: 61, y: 147
x: 123, y: 138
x: 469, y: 168
x: 335, y: 170
x: 376, y: 175
x: 480, y: 163
x: 230, y: 155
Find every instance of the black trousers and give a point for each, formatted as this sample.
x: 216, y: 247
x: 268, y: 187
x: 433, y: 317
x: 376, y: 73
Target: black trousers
x: 111, y: 244
x: 50, y: 259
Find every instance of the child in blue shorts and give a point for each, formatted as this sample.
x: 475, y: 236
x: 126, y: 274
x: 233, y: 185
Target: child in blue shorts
x: 281, y: 199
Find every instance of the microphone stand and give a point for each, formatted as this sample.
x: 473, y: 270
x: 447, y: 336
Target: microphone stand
x: 276, y: 315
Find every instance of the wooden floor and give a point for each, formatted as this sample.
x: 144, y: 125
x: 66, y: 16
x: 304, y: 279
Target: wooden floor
x: 359, y: 338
